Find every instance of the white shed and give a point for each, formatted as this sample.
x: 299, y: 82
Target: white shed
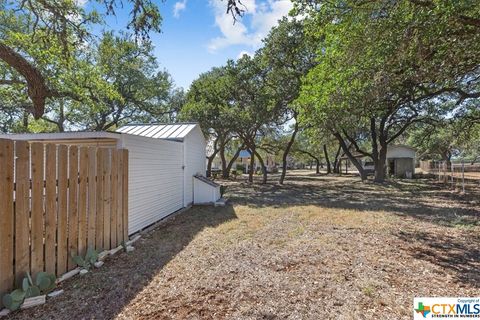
x: 401, y: 161
x: 163, y: 159
x: 193, y: 146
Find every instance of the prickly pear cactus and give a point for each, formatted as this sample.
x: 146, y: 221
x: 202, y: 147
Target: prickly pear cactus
x: 14, y: 300
x: 45, y: 282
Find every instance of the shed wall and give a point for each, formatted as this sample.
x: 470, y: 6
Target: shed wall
x: 194, y: 159
x: 204, y: 193
x: 404, y: 165
x: 400, y: 152
x: 155, y: 179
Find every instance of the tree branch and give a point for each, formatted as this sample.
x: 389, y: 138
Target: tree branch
x: 37, y: 87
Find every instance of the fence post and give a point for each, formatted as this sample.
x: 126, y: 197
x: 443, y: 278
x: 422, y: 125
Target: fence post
x: 6, y: 215
x: 439, y: 172
x: 72, y: 205
x: 50, y: 207
x: 452, y: 172
x: 37, y: 222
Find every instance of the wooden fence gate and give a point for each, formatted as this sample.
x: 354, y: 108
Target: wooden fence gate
x: 55, y: 202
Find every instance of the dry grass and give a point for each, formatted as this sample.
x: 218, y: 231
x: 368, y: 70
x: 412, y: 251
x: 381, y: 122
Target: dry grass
x: 317, y: 248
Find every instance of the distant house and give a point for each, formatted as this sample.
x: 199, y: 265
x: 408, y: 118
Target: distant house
x: 244, y: 161
x: 401, y: 161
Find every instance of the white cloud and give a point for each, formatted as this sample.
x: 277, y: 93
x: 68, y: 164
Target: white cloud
x: 179, y: 7
x: 249, y: 30
x: 244, y: 52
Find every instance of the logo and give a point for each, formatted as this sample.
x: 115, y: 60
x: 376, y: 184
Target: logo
x: 451, y: 308
x: 423, y: 310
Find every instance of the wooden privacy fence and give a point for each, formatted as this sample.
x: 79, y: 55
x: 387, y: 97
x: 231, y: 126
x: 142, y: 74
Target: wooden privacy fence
x: 55, y: 202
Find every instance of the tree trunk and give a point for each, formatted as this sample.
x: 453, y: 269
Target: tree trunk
x: 210, y: 162
x: 209, y: 166
x: 252, y: 165
x: 318, y: 165
x: 212, y: 157
x: 447, y: 156
x: 350, y: 156
x: 25, y: 121
x: 381, y: 165
x: 286, y: 151
x: 232, y: 161
x: 264, y: 168
x: 336, y: 161
x: 224, y: 160
x: 379, y: 155
x: 329, y: 168
x: 61, y: 119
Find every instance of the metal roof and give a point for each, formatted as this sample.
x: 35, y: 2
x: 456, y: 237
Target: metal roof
x: 244, y: 154
x: 176, y: 131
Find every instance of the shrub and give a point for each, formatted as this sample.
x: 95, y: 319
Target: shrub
x: 240, y: 168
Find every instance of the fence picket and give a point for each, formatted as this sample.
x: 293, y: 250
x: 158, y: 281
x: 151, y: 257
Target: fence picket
x: 50, y: 207
x: 62, y: 245
x: 72, y: 205
x: 82, y: 201
x: 6, y: 215
x: 37, y: 221
x: 22, y: 210
x: 114, y: 202
x: 92, y: 195
x: 107, y: 200
x: 99, y: 199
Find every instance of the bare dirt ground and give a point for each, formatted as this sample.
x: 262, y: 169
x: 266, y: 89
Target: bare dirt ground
x: 319, y: 247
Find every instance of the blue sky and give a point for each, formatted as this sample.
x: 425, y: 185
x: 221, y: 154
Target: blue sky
x: 198, y: 34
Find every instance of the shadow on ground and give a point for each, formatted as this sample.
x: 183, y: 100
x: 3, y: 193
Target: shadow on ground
x: 419, y: 198
x: 461, y: 257
x: 103, y: 293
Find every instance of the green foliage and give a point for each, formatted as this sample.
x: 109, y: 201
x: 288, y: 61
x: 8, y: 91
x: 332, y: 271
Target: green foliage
x: 105, y: 85
x: 45, y: 281
x: 43, y: 284
x: 124, y: 245
x: 384, y: 66
x: 88, y: 261
x: 240, y: 168
x: 14, y: 300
